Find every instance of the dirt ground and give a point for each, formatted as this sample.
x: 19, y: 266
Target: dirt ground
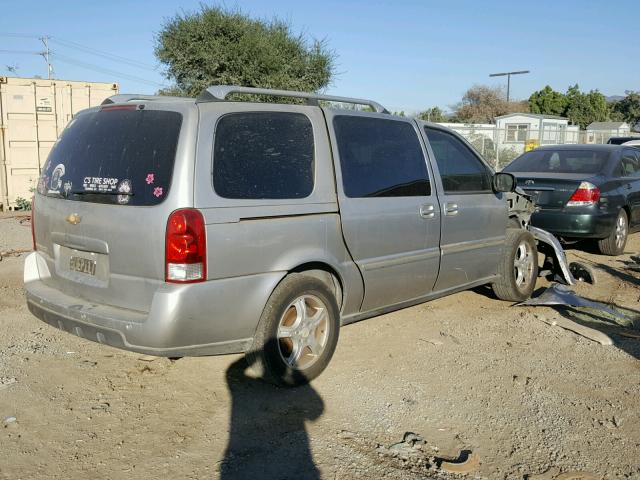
x: 466, y: 372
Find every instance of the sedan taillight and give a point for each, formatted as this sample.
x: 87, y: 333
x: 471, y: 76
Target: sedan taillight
x: 587, y: 194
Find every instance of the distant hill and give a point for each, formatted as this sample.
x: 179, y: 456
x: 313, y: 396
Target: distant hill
x: 614, y: 98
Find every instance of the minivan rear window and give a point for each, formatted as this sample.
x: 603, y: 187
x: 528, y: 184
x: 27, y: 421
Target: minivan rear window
x: 117, y: 155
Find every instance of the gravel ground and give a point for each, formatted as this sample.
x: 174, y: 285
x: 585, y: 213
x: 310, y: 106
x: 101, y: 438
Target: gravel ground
x: 463, y: 373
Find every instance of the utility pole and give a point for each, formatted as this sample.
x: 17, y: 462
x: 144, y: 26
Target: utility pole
x: 47, y: 55
x: 508, y: 75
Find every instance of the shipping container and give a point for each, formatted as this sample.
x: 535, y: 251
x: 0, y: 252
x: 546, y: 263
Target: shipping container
x: 33, y: 112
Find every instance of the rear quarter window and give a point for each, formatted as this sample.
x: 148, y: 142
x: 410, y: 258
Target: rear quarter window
x: 117, y: 155
x: 263, y: 155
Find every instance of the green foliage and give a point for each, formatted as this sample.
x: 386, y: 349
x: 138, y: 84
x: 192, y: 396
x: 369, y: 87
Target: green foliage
x: 579, y: 107
x: 23, y: 204
x: 219, y: 46
x: 398, y: 114
x: 627, y: 109
x: 548, y: 102
x: 585, y: 108
x: 434, y: 114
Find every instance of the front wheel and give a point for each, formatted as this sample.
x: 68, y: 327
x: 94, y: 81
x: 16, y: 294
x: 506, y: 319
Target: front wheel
x: 518, y: 267
x: 616, y: 241
x: 297, y: 333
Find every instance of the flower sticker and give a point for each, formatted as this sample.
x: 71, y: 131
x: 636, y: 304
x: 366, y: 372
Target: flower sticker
x: 157, y: 191
x: 150, y: 179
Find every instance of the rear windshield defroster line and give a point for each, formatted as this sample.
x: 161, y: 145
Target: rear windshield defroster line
x: 122, y: 157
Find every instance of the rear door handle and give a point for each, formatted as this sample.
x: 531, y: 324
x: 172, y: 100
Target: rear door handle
x: 427, y: 211
x: 450, y: 209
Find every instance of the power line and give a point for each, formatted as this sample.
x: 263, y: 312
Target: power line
x: 21, y: 52
x: 98, y: 68
x: 99, y: 53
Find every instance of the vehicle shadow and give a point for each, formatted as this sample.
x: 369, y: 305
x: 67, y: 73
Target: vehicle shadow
x: 267, y: 434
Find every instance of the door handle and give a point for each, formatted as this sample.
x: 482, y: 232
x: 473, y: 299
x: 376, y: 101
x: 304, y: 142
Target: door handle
x: 450, y: 209
x: 427, y: 211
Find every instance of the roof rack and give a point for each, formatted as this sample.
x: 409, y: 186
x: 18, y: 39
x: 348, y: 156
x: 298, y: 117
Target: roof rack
x: 219, y: 93
x: 124, y: 98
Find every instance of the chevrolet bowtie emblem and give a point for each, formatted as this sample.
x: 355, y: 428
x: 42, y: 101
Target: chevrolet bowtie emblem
x: 74, y: 218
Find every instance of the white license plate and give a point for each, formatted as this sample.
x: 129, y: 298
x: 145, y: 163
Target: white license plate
x: 82, y: 265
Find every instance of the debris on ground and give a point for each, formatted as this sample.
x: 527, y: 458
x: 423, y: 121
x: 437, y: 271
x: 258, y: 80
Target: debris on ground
x: 14, y: 253
x: 6, y: 382
x: 583, y: 330
x: 558, y: 294
x: 414, y: 450
x: 467, y: 462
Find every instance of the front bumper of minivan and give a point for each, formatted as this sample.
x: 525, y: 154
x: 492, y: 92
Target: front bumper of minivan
x: 210, y: 318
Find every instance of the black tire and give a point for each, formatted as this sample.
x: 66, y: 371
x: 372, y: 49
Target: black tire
x: 518, y: 267
x: 272, y: 356
x: 616, y: 241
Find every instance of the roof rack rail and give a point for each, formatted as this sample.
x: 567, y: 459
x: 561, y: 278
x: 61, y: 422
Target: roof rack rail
x: 124, y: 98
x: 219, y: 93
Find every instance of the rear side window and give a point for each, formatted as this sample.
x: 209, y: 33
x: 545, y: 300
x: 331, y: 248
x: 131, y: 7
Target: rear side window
x: 115, y: 155
x: 380, y: 158
x: 630, y: 164
x: 263, y: 155
x: 461, y: 171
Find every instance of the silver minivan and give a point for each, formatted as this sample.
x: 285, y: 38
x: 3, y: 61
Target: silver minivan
x: 180, y: 227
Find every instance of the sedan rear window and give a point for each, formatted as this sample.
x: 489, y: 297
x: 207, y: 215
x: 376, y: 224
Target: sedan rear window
x: 560, y: 161
x: 117, y: 155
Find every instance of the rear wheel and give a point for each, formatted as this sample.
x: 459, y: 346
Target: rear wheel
x: 297, y: 333
x: 616, y: 241
x: 518, y: 268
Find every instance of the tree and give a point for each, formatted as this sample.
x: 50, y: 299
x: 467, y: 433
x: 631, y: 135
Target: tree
x: 548, y: 102
x: 433, y: 114
x: 481, y: 104
x: 628, y: 109
x: 218, y: 46
x: 585, y: 108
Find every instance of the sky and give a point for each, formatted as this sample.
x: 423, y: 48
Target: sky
x: 406, y: 54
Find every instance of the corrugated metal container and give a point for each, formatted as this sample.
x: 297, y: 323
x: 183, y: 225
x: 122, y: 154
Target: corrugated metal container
x: 33, y: 112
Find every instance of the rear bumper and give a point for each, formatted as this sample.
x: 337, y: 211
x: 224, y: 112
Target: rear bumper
x: 575, y: 225
x: 209, y: 318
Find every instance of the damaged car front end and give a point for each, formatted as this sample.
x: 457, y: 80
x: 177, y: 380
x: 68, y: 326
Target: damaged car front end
x: 555, y: 264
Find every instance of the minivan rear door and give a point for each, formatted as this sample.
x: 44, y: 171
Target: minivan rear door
x: 102, y: 202
x: 389, y: 210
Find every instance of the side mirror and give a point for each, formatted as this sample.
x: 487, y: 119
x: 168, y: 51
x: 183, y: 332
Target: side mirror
x: 504, y: 182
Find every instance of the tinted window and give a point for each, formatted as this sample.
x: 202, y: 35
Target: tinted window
x: 460, y: 169
x: 560, y: 161
x: 123, y: 156
x: 380, y: 158
x: 630, y: 165
x: 262, y: 155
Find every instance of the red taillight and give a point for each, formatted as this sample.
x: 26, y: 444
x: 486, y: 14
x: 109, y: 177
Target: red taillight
x: 185, y: 247
x: 33, y: 222
x: 586, y: 194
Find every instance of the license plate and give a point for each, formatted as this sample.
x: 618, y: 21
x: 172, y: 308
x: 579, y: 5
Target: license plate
x: 82, y: 265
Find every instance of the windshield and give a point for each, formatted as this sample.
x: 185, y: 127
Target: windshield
x: 115, y: 155
x: 560, y: 161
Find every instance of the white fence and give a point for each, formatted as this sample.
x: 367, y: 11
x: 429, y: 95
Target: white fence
x: 501, y: 145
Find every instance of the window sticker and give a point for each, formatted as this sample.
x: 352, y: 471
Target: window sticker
x: 100, y: 184
x: 67, y: 188
x: 157, y: 192
x: 150, y: 178
x: 56, y: 178
x: 124, y: 187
